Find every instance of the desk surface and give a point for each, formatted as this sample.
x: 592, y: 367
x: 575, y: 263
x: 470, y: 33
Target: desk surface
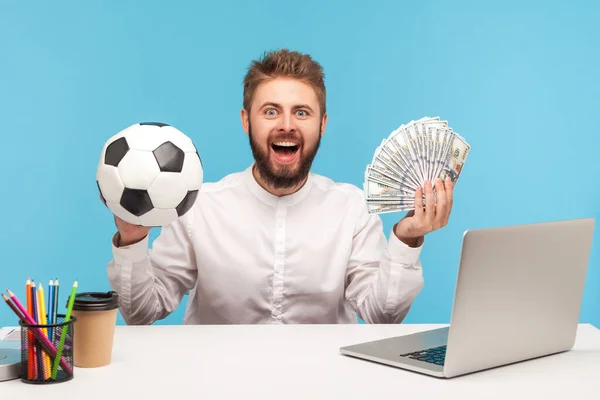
x: 300, y: 362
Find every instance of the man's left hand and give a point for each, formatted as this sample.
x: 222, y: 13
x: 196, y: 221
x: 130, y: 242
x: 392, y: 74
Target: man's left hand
x: 434, y: 215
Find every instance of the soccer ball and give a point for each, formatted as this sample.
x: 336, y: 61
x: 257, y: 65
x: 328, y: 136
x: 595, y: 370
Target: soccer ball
x: 149, y: 174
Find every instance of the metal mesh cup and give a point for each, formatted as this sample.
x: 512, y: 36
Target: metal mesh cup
x: 41, y: 346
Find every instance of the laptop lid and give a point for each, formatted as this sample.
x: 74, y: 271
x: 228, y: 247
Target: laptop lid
x: 518, y: 293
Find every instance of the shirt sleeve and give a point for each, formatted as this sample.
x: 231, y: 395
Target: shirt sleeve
x: 152, y: 282
x: 383, y: 276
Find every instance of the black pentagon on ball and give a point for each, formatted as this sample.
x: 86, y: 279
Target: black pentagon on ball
x: 116, y: 151
x: 187, y: 202
x: 100, y: 191
x: 159, y: 124
x: 136, y: 201
x: 169, y: 157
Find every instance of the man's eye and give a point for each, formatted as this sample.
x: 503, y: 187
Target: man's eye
x: 302, y: 113
x: 271, y: 112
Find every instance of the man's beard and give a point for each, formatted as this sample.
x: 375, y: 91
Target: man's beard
x: 285, y: 177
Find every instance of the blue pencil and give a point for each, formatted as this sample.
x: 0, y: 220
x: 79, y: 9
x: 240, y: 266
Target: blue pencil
x: 50, y: 307
x: 55, y: 301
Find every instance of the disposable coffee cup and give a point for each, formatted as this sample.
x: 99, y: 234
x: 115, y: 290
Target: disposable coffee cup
x: 96, y: 314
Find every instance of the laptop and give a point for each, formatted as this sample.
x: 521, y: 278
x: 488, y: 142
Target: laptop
x: 518, y: 297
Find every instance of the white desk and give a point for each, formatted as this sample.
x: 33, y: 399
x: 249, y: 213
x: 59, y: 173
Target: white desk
x: 301, y: 362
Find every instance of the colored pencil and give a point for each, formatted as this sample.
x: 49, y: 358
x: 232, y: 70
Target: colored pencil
x: 46, y: 367
x: 64, y: 330
x: 30, y: 338
x: 49, y: 347
x: 55, y: 301
x: 36, y: 318
x: 50, y: 308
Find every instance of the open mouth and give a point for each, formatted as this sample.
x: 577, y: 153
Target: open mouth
x: 285, y: 151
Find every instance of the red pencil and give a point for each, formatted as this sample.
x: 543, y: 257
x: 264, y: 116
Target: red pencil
x: 30, y: 339
x: 46, y: 344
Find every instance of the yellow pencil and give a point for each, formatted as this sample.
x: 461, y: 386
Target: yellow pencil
x: 47, y: 368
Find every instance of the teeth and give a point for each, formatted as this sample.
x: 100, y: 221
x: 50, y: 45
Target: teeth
x: 286, y: 144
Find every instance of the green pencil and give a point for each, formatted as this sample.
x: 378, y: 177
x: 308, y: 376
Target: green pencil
x: 64, y: 330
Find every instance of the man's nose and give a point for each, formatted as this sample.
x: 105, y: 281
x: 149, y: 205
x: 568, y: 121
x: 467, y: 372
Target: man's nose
x: 287, y: 123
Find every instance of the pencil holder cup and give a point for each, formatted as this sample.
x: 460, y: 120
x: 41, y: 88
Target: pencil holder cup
x: 47, y: 351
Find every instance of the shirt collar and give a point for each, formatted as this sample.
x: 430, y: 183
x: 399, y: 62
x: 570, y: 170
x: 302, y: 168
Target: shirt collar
x: 271, y: 199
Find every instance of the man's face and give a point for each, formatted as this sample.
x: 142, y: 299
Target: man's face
x: 285, y: 129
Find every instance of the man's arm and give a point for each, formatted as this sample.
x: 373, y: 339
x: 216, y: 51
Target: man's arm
x: 151, y: 283
x: 383, y: 277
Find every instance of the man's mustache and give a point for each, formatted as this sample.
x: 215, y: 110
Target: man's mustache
x: 292, y: 137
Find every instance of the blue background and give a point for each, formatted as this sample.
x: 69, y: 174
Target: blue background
x: 518, y: 80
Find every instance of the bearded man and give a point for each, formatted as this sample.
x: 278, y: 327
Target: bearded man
x: 277, y: 243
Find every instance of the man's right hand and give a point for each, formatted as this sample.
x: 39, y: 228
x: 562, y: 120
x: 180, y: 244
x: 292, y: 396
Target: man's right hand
x: 129, y: 233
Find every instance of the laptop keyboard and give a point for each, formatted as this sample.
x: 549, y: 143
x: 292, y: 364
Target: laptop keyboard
x: 434, y: 355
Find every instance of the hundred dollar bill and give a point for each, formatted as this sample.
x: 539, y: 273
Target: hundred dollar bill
x: 376, y: 176
x: 378, y: 191
x: 459, y: 150
x: 423, y: 157
x: 383, y: 162
x: 437, y: 136
x: 372, y: 173
x: 446, y: 138
x: 382, y: 208
x: 414, y: 150
x: 413, y: 133
x: 424, y: 129
x: 408, y: 153
x: 396, y: 155
x: 383, y: 168
x: 423, y: 149
x: 385, y: 154
x: 402, y: 160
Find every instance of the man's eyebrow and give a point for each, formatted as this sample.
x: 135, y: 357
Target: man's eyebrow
x: 270, y: 103
x: 303, y: 106
x: 276, y: 105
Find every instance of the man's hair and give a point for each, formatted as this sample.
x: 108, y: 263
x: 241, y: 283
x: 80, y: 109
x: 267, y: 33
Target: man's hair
x: 285, y: 64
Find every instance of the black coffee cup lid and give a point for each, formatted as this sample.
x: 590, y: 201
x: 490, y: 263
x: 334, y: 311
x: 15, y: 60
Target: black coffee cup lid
x: 96, y: 301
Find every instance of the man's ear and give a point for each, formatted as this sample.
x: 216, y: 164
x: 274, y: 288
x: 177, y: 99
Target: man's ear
x: 323, y: 124
x: 244, y: 117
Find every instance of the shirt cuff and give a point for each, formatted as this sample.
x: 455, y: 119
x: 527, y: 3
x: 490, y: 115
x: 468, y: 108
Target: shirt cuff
x: 403, y: 253
x: 134, y: 252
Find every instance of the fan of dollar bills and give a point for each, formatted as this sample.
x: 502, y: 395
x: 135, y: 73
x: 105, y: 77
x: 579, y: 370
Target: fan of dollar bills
x: 421, y: 150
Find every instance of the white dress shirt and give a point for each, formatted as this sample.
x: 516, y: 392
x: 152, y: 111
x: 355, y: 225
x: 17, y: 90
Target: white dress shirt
x: 246, y: 256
